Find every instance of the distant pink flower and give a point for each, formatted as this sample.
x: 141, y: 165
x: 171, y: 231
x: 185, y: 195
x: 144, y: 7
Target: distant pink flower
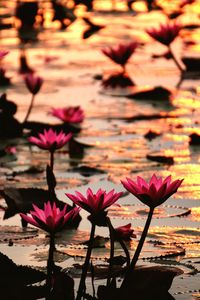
x: 50, y: 218
x: 95, y: 204
x: 124, y: 232
x: 166, y: 33
x: 33, y: 83
x: 50, y: 140
x: 121, y: 53
x: 153, y: 193
x: 11, y: 150
x: 70, y: 114
x: 3, y: 53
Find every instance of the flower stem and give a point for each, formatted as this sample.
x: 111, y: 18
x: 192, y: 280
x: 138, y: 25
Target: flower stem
x: 50, y: 264
x: 124, y: 248
x: 129, y: 272
x: 124, y: 69
x: 112, y: 246
x: 181, y: 67
x: 51, y: 160
x: 82, y: 287
x: 29, y: 109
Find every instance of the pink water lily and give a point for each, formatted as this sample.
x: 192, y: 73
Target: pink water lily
x: 121, y: 53
x: 95, y: 203
x: 69, y: 114
x: 50, y: 139
x: 125, y: 232
x: 166, y: 33
x: 153, y: 193
x: 50, y: 218
x: 33, y: 83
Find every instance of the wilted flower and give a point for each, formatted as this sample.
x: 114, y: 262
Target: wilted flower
x: 50, y: 140
x: 153, y: 193
x: 124, y: 232
x: 166, y: 33
x: 33, y: 83
x: 50, y: 218
x: 121, y: 53
x: 95, y: 204
x: 3, y: 53
x: 69, y: 114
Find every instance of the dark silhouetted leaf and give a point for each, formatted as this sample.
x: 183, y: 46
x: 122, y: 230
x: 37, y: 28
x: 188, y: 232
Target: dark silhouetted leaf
x: 169, y: 160
x: 93, y: 28
x: 146, y: 283
x: 194, y: 139
x: 158, y: 93
x: 150, y: 135
x: 87, y: 171
x: 21, y: 200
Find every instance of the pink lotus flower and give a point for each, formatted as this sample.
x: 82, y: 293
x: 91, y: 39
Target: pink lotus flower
x: 95, y: 204
x: 51, y: 218
x: 50, y: 140
x: 165, y: 34
x: 125, y: 232
x: 3, y: 53
x: 33, y: 83
x: 153, y: 193
x: 70, y: 114
x: 121, y: 53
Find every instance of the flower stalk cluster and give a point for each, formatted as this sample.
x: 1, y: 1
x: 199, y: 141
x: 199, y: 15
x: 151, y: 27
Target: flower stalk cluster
x: 52, y: 219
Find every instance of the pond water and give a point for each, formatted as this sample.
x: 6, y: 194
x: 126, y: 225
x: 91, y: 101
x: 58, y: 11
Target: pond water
x: 112, y: 136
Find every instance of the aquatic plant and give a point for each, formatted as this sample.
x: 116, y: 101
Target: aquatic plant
x: 52, y: 220
x: 152, y: 194
x: 50, y: 140
x: 72, y: 114
x: 166, y: 34
x: 96, y: 204
x: 33, y: 84
x: 121, y: 53
x: 124, y: 232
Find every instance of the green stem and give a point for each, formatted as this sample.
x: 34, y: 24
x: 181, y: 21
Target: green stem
x: 82, y: 287
x: 179, y: 66
x: 129, y: 272
x: 112, y: 246
x: 50, y: 264
x: 29, y: 109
